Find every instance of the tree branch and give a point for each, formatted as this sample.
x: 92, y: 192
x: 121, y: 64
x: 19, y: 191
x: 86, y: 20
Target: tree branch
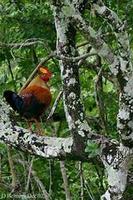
x: 125, y: 78
x: 118, y: 64
x: 109, y: 15
x: 65, y: 180
x: 117, y: 170
x: 120, y: 32
x: 47, y: 147
x: 19, y: 45
x: 100, y: 100
x: 121, y: 67
x: 42, y: 62
x: 55, y: 104
x: 76, y: 59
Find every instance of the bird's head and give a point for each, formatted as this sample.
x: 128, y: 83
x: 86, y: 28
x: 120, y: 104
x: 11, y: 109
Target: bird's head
x: 44, y: 73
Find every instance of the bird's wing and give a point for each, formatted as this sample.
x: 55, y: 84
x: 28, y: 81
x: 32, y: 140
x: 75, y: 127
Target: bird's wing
x: 14, y: 100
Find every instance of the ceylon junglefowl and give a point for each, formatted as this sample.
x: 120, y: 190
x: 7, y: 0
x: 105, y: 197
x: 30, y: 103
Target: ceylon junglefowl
x: 32, y: 100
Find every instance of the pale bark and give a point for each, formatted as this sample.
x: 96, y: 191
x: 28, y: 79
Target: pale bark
x: 116, y: 164
x: 47, y: 147
x: 27, y: 141
x: 65, y: 180
x: 114, y: 154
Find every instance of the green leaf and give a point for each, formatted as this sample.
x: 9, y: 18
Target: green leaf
x: 92, y: 149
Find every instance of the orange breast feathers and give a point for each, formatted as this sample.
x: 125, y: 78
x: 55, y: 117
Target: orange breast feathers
x: 42, y: 94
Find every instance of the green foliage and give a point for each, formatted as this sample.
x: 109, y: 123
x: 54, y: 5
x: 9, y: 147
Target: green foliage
x: 26, y: 21
x: 92, y: 149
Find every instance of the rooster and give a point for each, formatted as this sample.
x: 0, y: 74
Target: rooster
x: 32, y: 100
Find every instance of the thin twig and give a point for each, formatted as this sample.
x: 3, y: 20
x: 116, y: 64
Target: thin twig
x: 24, y: 167
x: 63, y: 172
x: 51, y: 163
x: 81, y: 181
x: 55, y: 104
x: 83, y: 44
x: 29, y: 174
x: 99, y: 100
x: 89, y: 190
x: 84, y: 183
x: 19, y: 45
x: 41, y: 185
x: 11, y: 164
x: 26, y: 43
x: 0, y: 168
x: 51, y: 55
x: 42, y: 62
x: 65, y: 180
x: 76, y: 59
x: 37, y: 180
x: 11, y: 72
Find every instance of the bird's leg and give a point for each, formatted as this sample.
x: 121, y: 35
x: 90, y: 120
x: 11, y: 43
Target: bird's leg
x: 38, y: 127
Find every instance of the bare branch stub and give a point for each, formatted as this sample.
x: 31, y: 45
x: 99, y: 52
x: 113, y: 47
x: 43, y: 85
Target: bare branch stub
x: 55, y: 104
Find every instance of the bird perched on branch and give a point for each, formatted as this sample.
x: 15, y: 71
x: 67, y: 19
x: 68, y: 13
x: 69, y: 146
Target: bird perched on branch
x: 32, y: 100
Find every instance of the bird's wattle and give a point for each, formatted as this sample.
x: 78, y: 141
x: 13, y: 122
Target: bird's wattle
x: 45, y: 78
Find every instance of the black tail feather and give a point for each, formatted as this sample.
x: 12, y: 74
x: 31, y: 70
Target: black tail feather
x: 14, y: 100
